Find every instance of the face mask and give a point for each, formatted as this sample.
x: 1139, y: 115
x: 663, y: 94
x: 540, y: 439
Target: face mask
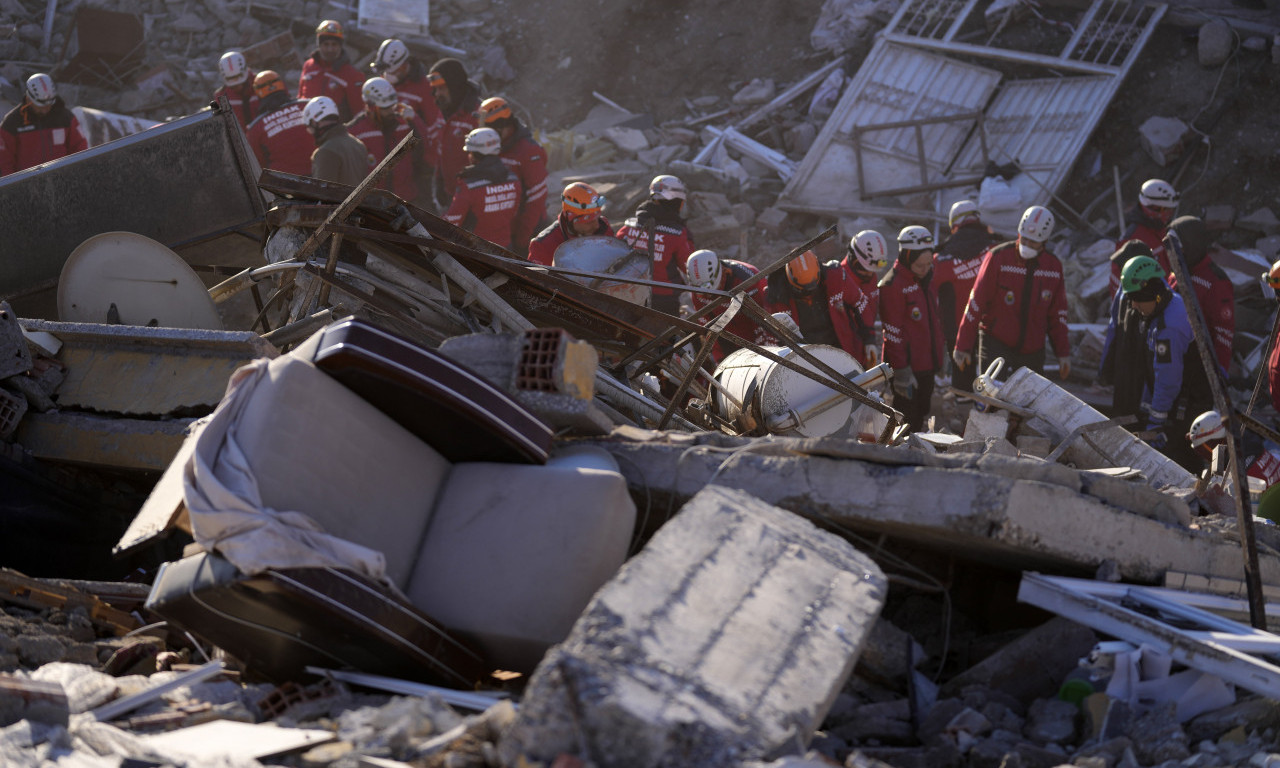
x: 1027, y: 252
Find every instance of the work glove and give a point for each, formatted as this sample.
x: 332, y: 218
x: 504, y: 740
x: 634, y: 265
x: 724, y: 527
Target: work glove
x: 904, y: 383
x: 1064, y: 368
x: 962, y: 359
x: 872, y: 353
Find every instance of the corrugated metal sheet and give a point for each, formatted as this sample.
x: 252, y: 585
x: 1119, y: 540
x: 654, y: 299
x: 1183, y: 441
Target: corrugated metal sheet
x: 911, y: 75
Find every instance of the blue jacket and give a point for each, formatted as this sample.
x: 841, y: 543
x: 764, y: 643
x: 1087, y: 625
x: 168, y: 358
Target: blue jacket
x: 1169, y: 341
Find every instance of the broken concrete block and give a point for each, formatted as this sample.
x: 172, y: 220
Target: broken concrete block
x: 15, y: 354
x: 1255, y: 713
x: 1157, y: 737
x: 1214, y: 43
x: 746, y: 215
x: 799, y: 138
x: 726, y: 639
x: 626, y: 139
x: 983, y: 425
x: 884, y: 658
x: 1219, y: 217
x: 1034, y: 665
x: 710, y: 203
x: 495, y: 356
x: 1162, y: 138
x: 758, y: 91
x: 1051, y: 720
x: 1262, y: 220
x: 772, y: 220
x: 1033, y: 445
x: 1269, y: 247
x: 41, y: 702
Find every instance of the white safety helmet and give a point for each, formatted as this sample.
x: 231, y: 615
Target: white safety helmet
x: 1207, y: 426
x: 379, y: 92
x: 391, y: 54
x: 1157, y: 193
x: 233, y: 68
x: 41, y: 90
x: 915, y: 238
x: 483, y: 141
x: 1037, y: 224
x: 962, y: 210
x: 869, y: 249
x: 667, y: 188
x: 704, y: 270
x: 319, y: 108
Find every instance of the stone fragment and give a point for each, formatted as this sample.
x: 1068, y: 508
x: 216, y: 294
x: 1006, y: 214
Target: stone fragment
x: 1162, y: 138
x: 941, y: 756
x: 1262, y: 220
x: 799, y: 138
x: 758, y: 91
x: 626, y: 139
x: 1214, y: 43
x: 884, y: 658
x: 726, y: 639
x: 772, y: 220
x: 1219, y: 217
x: 746, y: 215
x: 1157, y: 737
x: 1253, y: 713
x: 1032, y: 666
x: 1051, y: 720
x: 38, y: 650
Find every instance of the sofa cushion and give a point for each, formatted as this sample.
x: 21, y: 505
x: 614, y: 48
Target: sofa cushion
x: 317, y: 448
x: 515, y: 552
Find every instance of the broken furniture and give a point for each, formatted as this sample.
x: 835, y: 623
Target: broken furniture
x: 501, y: 554
x: 189, y: 184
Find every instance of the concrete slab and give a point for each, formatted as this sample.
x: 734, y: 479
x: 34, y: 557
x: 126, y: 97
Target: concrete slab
x: 138, y: 371
x: 1016, y: 513
x: 99, y: 441
x: 726, y: 639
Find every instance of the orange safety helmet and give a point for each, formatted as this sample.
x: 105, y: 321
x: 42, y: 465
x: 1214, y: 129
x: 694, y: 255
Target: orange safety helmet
x: 436, y: 80
x: 580, y: 200
x: 804, y: 271
x: 1272, y: 276
x: 267, y: 82
x: 492, y: 110
x: 329, y: 28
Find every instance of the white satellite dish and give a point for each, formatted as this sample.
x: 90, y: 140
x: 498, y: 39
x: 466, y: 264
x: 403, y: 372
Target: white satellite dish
x: 146, y: 282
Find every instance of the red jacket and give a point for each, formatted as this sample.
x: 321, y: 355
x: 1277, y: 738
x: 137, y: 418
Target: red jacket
x: 28, y: 139
x: 846, y: 305
x: 339, y: 81
x: 869, y: 284
x: 381, y: 139
x: 742, y: 325
x: 912, y: 321
x: 243, y: 100
x: 1150, y: 232
x: 528, y: 161
x: 1217, y: 299
x: 998, y: 305
x: 542, y: 249
x: 956, y: 265
x: 415, y: 91
x: 487, y: 200
x: 280, y: 139
x: 672, y: 241
x: 451, y: 132
x: 1273, y: 373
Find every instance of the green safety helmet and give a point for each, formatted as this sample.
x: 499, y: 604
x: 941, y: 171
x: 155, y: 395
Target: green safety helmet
x: 1137, y: 271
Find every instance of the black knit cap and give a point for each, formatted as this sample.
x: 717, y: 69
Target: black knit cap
x: 1129, y: 250
x: 1194, y: 236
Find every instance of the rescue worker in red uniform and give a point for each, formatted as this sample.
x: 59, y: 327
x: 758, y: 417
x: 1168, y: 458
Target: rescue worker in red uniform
x: 458, y: 99
x: 823, y: 300
x: 278, y: 135
x: 328, y: 72
x: 1148, y: 222
x: 1208, y: 431
x: 1272, y: 279
x: 1018, y: 298
x: 38, y: 130
x: 658, y: 230
x: 913, y: 342
x: 1213, y: 289
x: 707, y: 271
x: 955, y: 270
x: 527, y: 159
x: 867, y: 253
x: 237, y: 86
x: 581, y: 215
x: 409, y: 76
x: 384, y: 122
x: 488, y: 197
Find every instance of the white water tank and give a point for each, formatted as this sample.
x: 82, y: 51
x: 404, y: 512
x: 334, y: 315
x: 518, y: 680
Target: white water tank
x: 762, y: 396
